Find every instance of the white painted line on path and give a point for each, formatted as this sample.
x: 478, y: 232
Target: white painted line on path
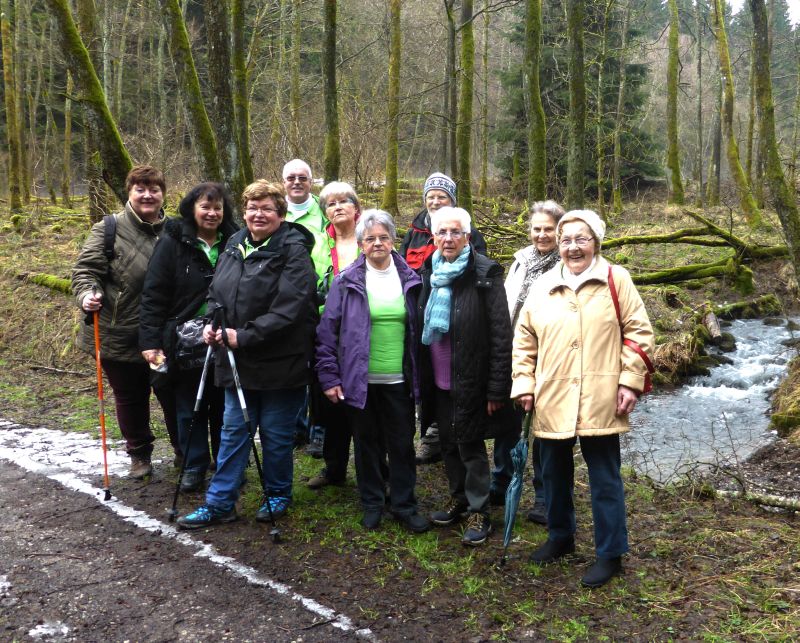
x: 67, y: 457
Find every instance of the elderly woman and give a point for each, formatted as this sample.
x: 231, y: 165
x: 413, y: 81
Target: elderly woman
x: 175, y: 291
x: 108, y: 277
x: 343, y: 209
x: 530, y: 263
x: 418, y: 244
x: 571, y: 363
x: 265, y: 286
x: 366, y: 359
x: 465, y: 365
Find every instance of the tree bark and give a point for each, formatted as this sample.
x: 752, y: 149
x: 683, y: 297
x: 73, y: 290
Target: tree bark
x: 294, y: 88
x: 21, y: 79
x: 746, y: 200
x: 332, y: 145
x: 785, y: 204
x: 673, y: 153
x: 537, y: 125
x: 10, y: 96
x: 714, y: 169
x: 577, y: 106
x: 464, y: 125
x: 483, y: 185
x: 451, y: 87
x: 600, y: 147
x: 620, y: 112
x: 699, y: 27
x: 190, y: 92
x: 66, y: 173
x: 390, y: 187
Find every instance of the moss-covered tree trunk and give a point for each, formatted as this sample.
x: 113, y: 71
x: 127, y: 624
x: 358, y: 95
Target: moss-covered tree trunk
x: 332, y: 144
x: 393, y: 103
x: 276, y: 146
x: 576, y: 163
x: 673, y: 151
x: 66, y: 168
x: 699, y: 26
x: 715, y: 162
x: 118, y: 65
x: 241, y: 100
x: 21, y: 23
x: 464, y: 125
x: 294, y: 87
x: 190, y: 92
x: 483, y: 185
x: 10, y: 96
x: 783, y: 197
x: 619, y: 116
x: 451, y: 86
x: 796, y: 118
x: 746, y: 200
x: 751, y: 118
x: 228, y: 132
x: 537, y: 126
x: 600, y: 112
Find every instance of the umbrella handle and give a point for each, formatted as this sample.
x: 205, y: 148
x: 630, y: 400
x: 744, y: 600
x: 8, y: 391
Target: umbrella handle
x: 526, y: 424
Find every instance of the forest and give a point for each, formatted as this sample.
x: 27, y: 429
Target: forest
x: 677, y: 121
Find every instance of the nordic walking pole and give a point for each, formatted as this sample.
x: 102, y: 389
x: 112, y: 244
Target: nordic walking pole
x: 101, y: 401
x: 274, y: 532
x: 173, y: 512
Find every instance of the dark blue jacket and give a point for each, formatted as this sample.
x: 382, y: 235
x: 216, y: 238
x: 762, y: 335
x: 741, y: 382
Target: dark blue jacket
x: 342, y: 349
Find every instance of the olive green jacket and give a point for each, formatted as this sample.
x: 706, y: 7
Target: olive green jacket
x: 120, y: 282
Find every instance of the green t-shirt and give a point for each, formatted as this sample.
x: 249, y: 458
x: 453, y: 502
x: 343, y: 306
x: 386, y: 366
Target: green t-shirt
x: 387, y: 334
x: 212, y: 252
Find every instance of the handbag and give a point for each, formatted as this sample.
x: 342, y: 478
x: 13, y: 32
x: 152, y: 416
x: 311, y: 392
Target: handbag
x: 190, y: 348
x: 648, y: 384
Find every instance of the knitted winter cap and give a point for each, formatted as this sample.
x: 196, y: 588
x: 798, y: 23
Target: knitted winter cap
x: 439, y: 181
x: 589, y: 217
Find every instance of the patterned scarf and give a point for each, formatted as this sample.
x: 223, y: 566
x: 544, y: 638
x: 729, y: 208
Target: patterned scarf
x: 437, y: 310
x: 535, y: 264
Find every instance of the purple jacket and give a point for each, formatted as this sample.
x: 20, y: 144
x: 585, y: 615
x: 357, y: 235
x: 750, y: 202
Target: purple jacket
x: 342, y: 348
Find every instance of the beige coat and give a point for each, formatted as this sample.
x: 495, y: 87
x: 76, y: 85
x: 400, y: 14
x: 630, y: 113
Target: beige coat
x: 568, y: 352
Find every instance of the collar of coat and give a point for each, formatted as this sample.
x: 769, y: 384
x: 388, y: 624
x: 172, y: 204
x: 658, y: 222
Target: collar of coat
x: 553, y: 279
x: 150, y: 228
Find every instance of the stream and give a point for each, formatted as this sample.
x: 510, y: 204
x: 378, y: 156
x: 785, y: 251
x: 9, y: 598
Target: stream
x: 712, y: 419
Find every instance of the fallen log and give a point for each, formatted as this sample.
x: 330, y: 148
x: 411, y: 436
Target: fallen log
x: 766, y: 499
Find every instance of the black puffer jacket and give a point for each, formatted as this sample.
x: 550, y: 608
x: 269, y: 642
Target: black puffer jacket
x: 480, y: 337
x: 270, y: 300
x: 176, y: 283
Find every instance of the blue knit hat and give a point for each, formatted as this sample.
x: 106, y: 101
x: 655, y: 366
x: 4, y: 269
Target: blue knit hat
x: 439, y: 181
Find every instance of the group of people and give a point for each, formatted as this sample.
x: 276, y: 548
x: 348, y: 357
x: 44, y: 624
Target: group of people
x: 330, y: 326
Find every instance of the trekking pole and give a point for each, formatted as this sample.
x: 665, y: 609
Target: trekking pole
x: 100, y: 399
x: 173, y: 512
x: 274, y: 532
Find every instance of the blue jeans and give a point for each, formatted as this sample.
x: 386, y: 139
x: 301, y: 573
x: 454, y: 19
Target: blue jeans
x: 504, y: 467
x: 602, y: 458
x: 274, y: 415
x: 208, y: 421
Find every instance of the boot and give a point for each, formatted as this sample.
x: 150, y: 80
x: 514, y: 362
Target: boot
x: 603, y: 570
x: 140, y: 467
x: 552, y: 550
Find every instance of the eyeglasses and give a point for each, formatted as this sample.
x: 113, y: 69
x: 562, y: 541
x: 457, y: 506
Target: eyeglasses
x: 383, y: 239
x: 300, y: 178
x: 263, y: 210
x: 455, y: 235
x: 581, y: 242
x: 342, y: 202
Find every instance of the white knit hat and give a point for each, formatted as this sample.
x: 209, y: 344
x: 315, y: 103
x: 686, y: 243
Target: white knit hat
x: 589, y: 217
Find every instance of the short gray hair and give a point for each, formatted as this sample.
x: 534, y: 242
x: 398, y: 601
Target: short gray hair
x: 338, y: 188
x: 550, y: 208
x: 371, y: 218
x: 300, y: 162
x: 450, y: 213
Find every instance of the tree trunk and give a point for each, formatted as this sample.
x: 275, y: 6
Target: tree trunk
x: 390, y: 187
x: 332, y: 144
x: 715, y: 169
x: 21, y: 79
x: 120, y: 72
x: 537, y: 126
x: 796, y: 126
x: 577, y: 106
x: 747, y: 202
x: 294, y: 88
x: 464, y: 124
x: 699, y: 27
x: 227, y: 132
x: 66, y: 173
x: 451, y: 102
x: 785, y: 204
x: 9, y: 90
x: 277, y: 140
x: 620, y: 112
x: 751, y: 117
x: 190, y: 91
x: 673, y: 153
x: 600, y: 148
x: 483, y: 185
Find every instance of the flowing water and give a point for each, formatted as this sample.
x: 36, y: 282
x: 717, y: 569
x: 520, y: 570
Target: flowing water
x: 716, y: 418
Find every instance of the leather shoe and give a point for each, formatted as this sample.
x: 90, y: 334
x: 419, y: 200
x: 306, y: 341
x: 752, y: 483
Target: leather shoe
x: 322, y: 480
x: 538, y: 514
x: 371, y: 519
x: 191, y: 481
x: 414, y: 522
x: 552, y: 550
x: 603, y: 570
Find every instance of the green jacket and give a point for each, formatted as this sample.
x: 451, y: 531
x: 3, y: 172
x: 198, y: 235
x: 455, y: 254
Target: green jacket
x: 120, y: 282
x: 315, y: 221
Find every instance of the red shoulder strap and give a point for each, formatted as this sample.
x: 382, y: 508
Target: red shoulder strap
x: 648, y: 385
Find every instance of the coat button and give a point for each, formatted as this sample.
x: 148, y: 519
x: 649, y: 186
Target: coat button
x: 573, y: 307
x: 575, y: 345
x: 575, y: 381
x: 579, y: 419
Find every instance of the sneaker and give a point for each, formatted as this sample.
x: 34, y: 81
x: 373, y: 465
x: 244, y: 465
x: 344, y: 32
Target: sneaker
x: 552, y: 550
x: 140, y: 468
x: 371, y: 519
x: 206, y: 515
x: 279, y: 506
x: 478, y: 529
x: 539, y: 513
x: 414, y: 522
x: 430, y: 449
x: 603, y: 570
x: 192, y: 480
x: 314, y: 449
x: 322, y: 480
x: 454, y: 511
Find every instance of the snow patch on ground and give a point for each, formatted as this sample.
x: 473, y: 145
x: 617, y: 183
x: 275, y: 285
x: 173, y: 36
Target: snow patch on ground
x: 49, y: 631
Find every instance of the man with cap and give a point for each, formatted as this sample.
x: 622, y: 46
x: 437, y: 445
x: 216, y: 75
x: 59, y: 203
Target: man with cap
x: 417, y: 246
